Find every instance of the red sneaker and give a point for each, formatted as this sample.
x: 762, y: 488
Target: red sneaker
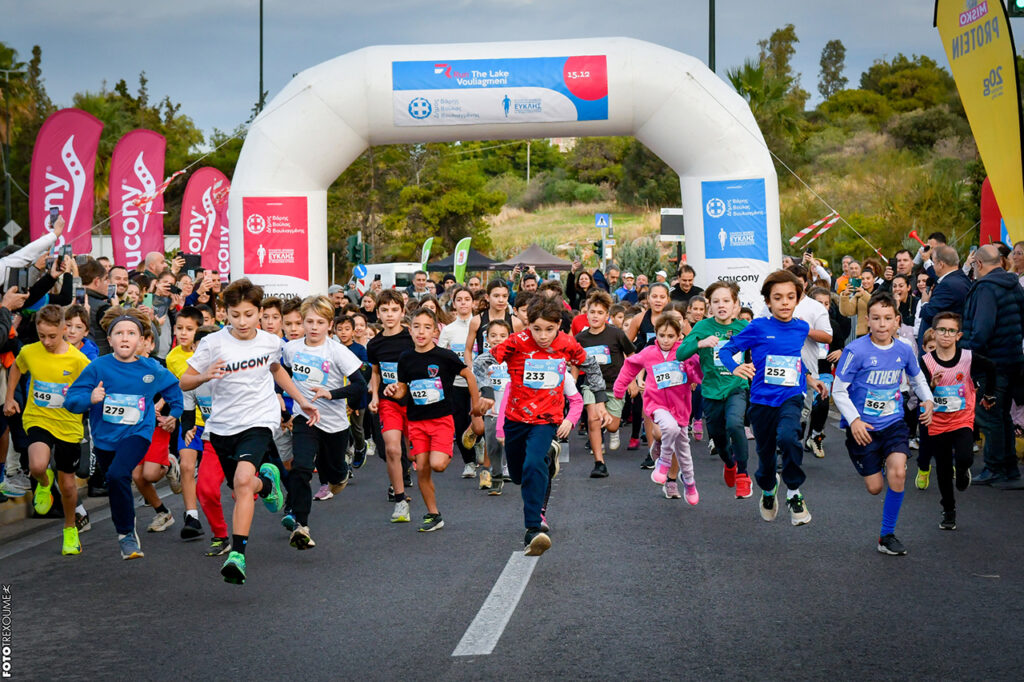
x: 742, y: 487
x: 729, y: 474
x: 634, y: 444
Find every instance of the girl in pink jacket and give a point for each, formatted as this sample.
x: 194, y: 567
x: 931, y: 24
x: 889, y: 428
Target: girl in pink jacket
x: 667, y: 397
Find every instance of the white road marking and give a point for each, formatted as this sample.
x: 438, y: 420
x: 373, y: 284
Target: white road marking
x: 483, y: 633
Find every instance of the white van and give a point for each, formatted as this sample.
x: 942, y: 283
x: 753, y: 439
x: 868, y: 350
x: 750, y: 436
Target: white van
x: 392, y: 275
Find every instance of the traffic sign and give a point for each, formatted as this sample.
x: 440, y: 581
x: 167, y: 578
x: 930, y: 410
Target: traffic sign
x: 360, y: 271
x: 11, y: 229
x: 602, y: 220
x: 609, y: 242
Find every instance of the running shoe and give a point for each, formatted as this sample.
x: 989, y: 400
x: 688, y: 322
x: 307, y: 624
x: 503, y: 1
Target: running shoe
x: 130, y: 548
x: 359, y: 457
x: 300, y: 538
x: 72, y: 545
x: 729, y: 475
x: 82, y: 523
x: 923, y: 478
x: 174, y: 474
x: 469, y: 438
x: 749, y: 431
x: 613, y: 441
x: 336, y: 488
x: 536, y: 542
x: 485, y: 479
x: 963, y: 478
x: 888, y: 544
x: 218, y: 547
x: 915, y: 444
x: 233, y: 569
x: 671, y: 490
x: 496, y: 485
x: 948, y: 520
x: 288, y: 521
x: 391, y: 493
x: 544, y: 521
x: 481, y: 452
x: 401, y: 513
x: 43, y: 499
x: 743, y: 487
x: 712, y: 450
x: 798, y: 512
x: 192, y: 529
x: 14, y: 486
x: 554, y: 452
x: 275, y: 500
x: 600, y: 470
x: 769, y: 506
x: 431, y: 522
x: 469, y: 471
x: 324, y: 493
x: 814, y: 444
x: 690, y: 493
x: 634, y: 444
x: 698, y: 429
x: 648, y: 463
x: 505, y: 476
x: 660, y: 473
x: 161, y: 522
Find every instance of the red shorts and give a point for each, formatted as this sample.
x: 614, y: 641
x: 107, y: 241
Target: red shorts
x: 392, y: 417
x: 432, y: 435
x: 159, y: 451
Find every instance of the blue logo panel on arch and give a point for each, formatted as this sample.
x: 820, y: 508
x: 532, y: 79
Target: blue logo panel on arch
x: 735, y: 219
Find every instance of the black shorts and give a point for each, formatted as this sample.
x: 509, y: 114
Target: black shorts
x: 65, y: 454
x: 868, y: 459
x: 253, y: 445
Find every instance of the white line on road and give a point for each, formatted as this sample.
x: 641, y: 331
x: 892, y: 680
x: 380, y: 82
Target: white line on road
x: 484, y: 632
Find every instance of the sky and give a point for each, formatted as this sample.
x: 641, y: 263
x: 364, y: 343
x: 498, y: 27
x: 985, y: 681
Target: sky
x: 204, y: 53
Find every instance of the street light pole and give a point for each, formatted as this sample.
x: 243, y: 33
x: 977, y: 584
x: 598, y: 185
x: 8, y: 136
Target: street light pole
x: 7, y: 73
x: 711, y: 35
x: 259, y: 100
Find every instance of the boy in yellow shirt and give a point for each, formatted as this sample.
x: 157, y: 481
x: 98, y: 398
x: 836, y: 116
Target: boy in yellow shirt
x: 190, y: 319
x: 53, y: 365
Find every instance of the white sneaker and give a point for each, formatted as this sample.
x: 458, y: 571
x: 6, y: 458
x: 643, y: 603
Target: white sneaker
x: 174, y: 474
x: 749, y: 431
x: 469, y: 471
x: 19, y: 480
x: 401, y: 513
x: 915, y: 444
x: 371, y: 449
x: 613, y: 441
x: 161, y: 522
x: 504, y: 472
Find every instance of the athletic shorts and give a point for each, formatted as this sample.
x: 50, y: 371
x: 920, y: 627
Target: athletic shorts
x: 283, y: 443
x: 868, y: 459
x: 612, y: 404
x: 254, y: 445
x: 392, y: 417
x: 159, y: 452
x: 195, y: 444
x: 65, y: 454
x: 432, y: 435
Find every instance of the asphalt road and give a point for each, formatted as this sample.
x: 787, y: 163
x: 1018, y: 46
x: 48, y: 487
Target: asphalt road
x: 634, y: 587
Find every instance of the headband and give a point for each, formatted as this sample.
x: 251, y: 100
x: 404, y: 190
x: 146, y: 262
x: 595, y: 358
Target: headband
x: 124, y: 318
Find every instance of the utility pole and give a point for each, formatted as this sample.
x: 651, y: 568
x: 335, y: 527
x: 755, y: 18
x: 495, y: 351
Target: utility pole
x: 259, y: 100
x: 711, y: 35
x: 7, y: 73
x: 528, y: 163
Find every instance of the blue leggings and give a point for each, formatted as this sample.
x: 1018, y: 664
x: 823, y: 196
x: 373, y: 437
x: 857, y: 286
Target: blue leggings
x: 526, y: 451
x: 119, y: 465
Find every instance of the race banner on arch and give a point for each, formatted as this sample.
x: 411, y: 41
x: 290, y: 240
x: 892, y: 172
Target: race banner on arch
x: 275, y: 241
x: 136, y: 207
x: 204, y: 220
x: 736, y: 234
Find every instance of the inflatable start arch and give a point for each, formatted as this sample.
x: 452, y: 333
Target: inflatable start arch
x: 329, y: 114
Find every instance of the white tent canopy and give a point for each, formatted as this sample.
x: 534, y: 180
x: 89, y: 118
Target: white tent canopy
x: 329, y: 114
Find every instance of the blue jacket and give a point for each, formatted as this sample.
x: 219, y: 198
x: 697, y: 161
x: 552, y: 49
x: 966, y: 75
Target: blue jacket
x: 947, y: 296
x: 994, y: 318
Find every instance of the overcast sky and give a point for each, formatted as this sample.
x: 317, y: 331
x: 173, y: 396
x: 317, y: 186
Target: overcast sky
x: 204, y: 53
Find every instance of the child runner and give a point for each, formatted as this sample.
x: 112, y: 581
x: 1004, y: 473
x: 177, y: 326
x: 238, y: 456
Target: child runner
x: 609, y: 346
x: 668, y: 385
x: 119, y: 391
x: 696, y: 310
x: 497, y: 332
x: 326, y: 371
x: 242, y: 362
x: 949, y: 438
x: 189, y: 321
x: 344, y: 329
x: 536, y: 360
x: 778, y: 380
x: 867, y: 393
x: 53, y: 365
x: 725, y: 395
x: 383, y: 352
x: 76, y: 330
x: 641, y: 332
x: 157, y: 461
x: 453, y: 337
x: 924, y: 456
x: 427, y: 373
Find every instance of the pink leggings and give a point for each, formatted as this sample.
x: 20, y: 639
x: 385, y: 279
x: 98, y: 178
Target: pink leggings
x: 674, y: 441
x: 211, y: 478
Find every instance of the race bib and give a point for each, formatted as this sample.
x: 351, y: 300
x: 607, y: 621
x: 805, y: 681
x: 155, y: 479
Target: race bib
x: 499, y: 377
x: 311, y: 369
x: 48, y: 395
x: 782, y: 370
x: 205, y: 404
x: 121, y: 408
x: 389, y: 372
x: 426, y: 391
x: 540, y: 374
x: 822, y: 351
x: 458, y: 348
x: 669, y: 374
x: 601, y: 354
x: 949, y: 398
x: 883, y: 403
x: 651, y: 336
x: 827, y: 379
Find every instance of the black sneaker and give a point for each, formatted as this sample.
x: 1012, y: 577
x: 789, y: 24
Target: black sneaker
x: 391, y: 493
x: 359, y: 458
x: 600, y: 470
x: 497, y: 483
x: 218, y: 546
x: 431, y: 522
x: 192, y: 530
x: 98, y: 491
x: 948, y: 520
x: 407, y: 479
x: 536, y: 542
x: 648, y: 463
x: 888, y: 544
x: 963, y: 478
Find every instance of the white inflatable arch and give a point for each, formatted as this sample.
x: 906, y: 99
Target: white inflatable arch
x: 329, y: 114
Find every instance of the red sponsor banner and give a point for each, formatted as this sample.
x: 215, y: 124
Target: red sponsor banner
x: 276, y: 233
x: 204, y: 220
x: 63, y: 161
x: 136, y: 208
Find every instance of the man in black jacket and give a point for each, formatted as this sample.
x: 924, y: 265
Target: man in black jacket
x: 948, y: 294
x: 994, y: 327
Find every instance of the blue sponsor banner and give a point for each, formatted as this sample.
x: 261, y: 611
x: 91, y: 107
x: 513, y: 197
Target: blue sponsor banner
x: 735, y: 219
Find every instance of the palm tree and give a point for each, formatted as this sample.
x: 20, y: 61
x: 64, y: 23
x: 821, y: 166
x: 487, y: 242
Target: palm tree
x: 774, y: 110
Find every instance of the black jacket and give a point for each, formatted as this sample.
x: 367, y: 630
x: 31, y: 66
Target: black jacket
x: 994, y: 318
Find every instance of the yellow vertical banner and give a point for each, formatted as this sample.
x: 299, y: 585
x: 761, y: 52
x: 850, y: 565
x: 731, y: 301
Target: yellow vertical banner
x: 976, y: 37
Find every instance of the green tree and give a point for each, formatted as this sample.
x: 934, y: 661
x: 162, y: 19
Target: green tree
x: 777, y: 113
x: 597, y: 160
x: 847, y: 102
x: 910, y: 83
x: 647, y: 180
x: 776, y: 53
x: 833, y: 61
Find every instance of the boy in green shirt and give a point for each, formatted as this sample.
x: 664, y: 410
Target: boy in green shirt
x: 725, y: 395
